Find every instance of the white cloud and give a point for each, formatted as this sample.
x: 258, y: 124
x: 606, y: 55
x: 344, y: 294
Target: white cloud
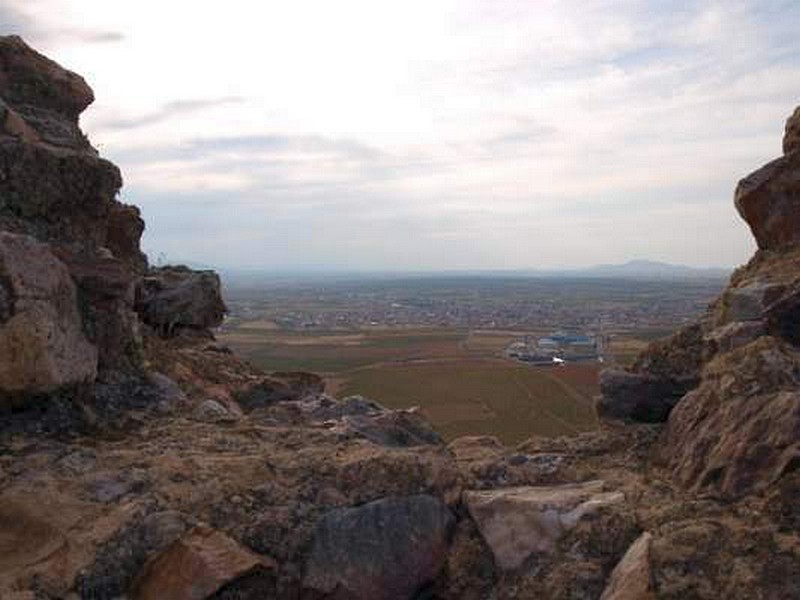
x: 487, y: 133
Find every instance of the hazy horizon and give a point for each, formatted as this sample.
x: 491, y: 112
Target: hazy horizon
x: 430, y: 136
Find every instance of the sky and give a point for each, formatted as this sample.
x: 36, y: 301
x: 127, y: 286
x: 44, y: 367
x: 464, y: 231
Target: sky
x: 430, y: 135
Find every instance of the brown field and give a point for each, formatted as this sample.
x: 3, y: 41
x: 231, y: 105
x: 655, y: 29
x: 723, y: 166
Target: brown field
x: 485, y: 396
x: 458, y: 378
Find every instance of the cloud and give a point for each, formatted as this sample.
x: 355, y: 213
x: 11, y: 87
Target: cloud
x: 170, y: 110
x: 488, y: 133
x: 27, y: 19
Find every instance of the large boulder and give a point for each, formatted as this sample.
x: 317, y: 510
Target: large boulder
x: 660, y: 375
x: 639, y: 396
x: 739, y: 431
x: 769, y: 200
x: 42, y: 343
x: 518, y: 523
x: 389, y: 549
x: 174, y: 298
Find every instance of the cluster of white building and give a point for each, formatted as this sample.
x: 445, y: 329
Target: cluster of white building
x: 558, y: 348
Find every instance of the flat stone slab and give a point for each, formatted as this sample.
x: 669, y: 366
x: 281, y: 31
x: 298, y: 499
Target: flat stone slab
x: 519, y: 522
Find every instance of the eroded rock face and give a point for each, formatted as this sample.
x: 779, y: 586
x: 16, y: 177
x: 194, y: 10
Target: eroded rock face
x: 520, y: 522
x: 42, y: 343
x: 739, y: 430
x: 171, y: 298
x: 791, y: 138
x: 632, y: 578
x: 639, y: 397
x: 198, y: 565
x: 659, y: 377
x: 385, y: 550
x: 769, y: 200
x: 47, y: 97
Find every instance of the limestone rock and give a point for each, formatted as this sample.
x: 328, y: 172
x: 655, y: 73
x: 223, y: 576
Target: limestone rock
x: 385, y: 550
x: 198, y: 565
x: 42, y: 344
x: 171, y: 298
x: 520, y: 522
x: 631, y: 578
x: 791, y: 138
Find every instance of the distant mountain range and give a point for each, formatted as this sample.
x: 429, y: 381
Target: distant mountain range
x: 648, y: 269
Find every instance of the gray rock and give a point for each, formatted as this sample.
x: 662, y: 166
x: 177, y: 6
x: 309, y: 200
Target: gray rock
x: 639, y: 397
x: 119, y: 560
x: 517, y: 523
x: 632, y: 578
x: 394, y: 429
x: 211, y: 411
x: 42, y: 343
x: 389, y: 549
x: 171, y: 298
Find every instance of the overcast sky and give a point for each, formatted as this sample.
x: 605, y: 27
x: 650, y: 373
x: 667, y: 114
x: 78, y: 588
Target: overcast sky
x: 430, y: 134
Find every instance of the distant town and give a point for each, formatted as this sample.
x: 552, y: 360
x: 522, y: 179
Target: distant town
x: 579, y: 305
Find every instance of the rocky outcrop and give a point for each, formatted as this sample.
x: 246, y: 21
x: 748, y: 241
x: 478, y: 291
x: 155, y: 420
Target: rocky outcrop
x: 174, y: 298
x: 791, y: 138
x: 518, y: 523
x: 385, y: 550
x: 655, y: 382
x: 44, y: 98
x: 639, y: 396
x: 42, y: 343
x: 198, y: 565
x: 632, y: 578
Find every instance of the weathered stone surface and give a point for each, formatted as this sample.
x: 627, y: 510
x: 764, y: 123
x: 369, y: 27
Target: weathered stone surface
x: 42, y: 344
x: 196, y: 566
x: 747, y: 302
x: 520, y: 522
x: 122, y: 556
x: 658, y: 378
x: 385, y: 550
x: 739, y: 431
x: 171, y: 298
x: 631, y: 579
x: 48, y: 97
x: 639, y: 397
x: 106, y: 288
x: 769, y: 200
x: 791, y: 137
x: 394, y: 428
x: 125, y: 229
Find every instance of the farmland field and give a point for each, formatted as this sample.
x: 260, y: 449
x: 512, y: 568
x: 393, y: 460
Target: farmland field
x: 439, y: 342
x: 457, y: 378
x: 484, y: 396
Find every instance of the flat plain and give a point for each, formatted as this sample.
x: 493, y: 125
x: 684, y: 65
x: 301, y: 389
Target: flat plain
x: 438, y: 344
